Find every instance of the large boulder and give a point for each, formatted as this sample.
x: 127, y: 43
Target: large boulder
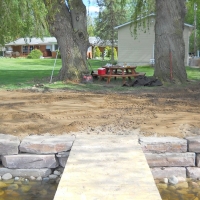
x: 194, y: 144
x: 170, y: 159
x: 38, y: 144
x: 26, y: 172
x: 29, y: 161
x: 62, y: 158
x: 166, y: 172
x: 163, y: 144
x: 9, y: 144
x: 193, y: 172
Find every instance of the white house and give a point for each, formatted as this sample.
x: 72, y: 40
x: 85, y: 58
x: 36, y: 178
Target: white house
x: 140, y: 51
x: 47, y: 45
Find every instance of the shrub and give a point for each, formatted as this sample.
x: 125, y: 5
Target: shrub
x: 35, y: 54
x: 115, y: 54
x: 109, y: 52
x: 58, y: 52
x: 97, y: 52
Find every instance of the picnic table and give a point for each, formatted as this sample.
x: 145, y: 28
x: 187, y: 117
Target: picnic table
x: 120, y: 71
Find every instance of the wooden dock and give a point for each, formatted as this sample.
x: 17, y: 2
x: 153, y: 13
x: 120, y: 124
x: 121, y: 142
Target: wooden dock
x: 106, y: 167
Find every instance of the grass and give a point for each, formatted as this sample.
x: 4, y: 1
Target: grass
x: 25, y: 73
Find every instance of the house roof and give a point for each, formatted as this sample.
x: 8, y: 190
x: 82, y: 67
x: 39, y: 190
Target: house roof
x: 33, y: 41
x: 151, y: 15
x: 52, y: 40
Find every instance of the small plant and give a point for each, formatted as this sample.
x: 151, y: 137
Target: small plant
x: 97, y: 52
x: 115, y: 53
x: 58, y: 52
x: 35, y: 54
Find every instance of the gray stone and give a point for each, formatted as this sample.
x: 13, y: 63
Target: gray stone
x: 9, y: 144
x: 26, y: 172
x: 58, y: 180
x: 53, y: 176
x: 7, y: 176
x: 170, y: 159
x: 63, y: 154
x: 45, y: 180
x: 16, y: 178
x: 32, y: 178
x: 194, y: 144
x: 163, y: 144
x: 60, y: 169
x: 26, y: 182
x: 164, y: 180
x: 193, y: 172
x: 173, y: 180
x: 166, y: 172
x: 57, y: 173
x: 39, y: 178
x: 46, y: 144
x: 181, y: 179
x: 28, y: 161
x: 198, y: 160
x: 62, y: 161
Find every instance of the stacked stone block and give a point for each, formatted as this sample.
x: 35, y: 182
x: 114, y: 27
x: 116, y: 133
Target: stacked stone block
x: 171, y: 156
x: 35, y: 155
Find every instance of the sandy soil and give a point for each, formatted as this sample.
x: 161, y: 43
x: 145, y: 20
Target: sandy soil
x: 157, y: 112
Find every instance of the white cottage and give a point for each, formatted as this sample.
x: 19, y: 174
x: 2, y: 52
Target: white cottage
x: 140, y: 51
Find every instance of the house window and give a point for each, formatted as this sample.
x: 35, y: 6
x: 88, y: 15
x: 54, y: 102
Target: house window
x: 27, y: 49
x: 48, y: 47
x: 56, y: 47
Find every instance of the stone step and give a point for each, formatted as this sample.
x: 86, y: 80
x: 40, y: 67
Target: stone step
x: 166, y: 172
x: 170, y: 159
x: 38, y: 144
x: 193, y: 144
x: 193, y: 172
x: 27, y: 161
x: 9, y: 144
x: 26, y: 172
x: 163, y: 144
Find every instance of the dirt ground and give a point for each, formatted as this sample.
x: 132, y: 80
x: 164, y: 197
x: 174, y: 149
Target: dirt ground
x: 160, y: 111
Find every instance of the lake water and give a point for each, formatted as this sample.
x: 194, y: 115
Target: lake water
x: 189, y: 190
x: 27, y: 190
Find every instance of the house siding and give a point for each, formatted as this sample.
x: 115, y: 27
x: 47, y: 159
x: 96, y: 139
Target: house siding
x: 136, y: 51
x: 139, y: 51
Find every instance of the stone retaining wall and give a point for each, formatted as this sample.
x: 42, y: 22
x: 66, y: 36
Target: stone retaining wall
x: 171, y: 156
x: 41, y: 156
x: 34, y: 156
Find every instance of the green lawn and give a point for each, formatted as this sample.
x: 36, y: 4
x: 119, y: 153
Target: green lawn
x: 24, y: 73
x: 20, y: 73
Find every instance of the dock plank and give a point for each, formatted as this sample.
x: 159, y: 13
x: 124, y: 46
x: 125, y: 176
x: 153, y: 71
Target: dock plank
x: 110, y: 167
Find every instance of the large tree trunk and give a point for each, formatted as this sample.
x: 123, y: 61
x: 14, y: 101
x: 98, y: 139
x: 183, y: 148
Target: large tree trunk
x: 169, y: 42
x: 69, y: 26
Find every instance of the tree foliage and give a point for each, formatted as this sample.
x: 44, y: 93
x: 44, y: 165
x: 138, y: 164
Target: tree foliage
x: 22, y: 18
x: 111, y: 14
x: 193, y: 8
x: 66, y: 20
x: 97, y: 52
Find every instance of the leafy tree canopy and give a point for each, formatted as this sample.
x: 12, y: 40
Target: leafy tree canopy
x: 22, y: 18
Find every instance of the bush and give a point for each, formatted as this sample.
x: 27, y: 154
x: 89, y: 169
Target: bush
x: 35, y: 54
x: 109, y: 52
x: 58, y: 52
x: 115, y: 54
x: 97, y: 52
